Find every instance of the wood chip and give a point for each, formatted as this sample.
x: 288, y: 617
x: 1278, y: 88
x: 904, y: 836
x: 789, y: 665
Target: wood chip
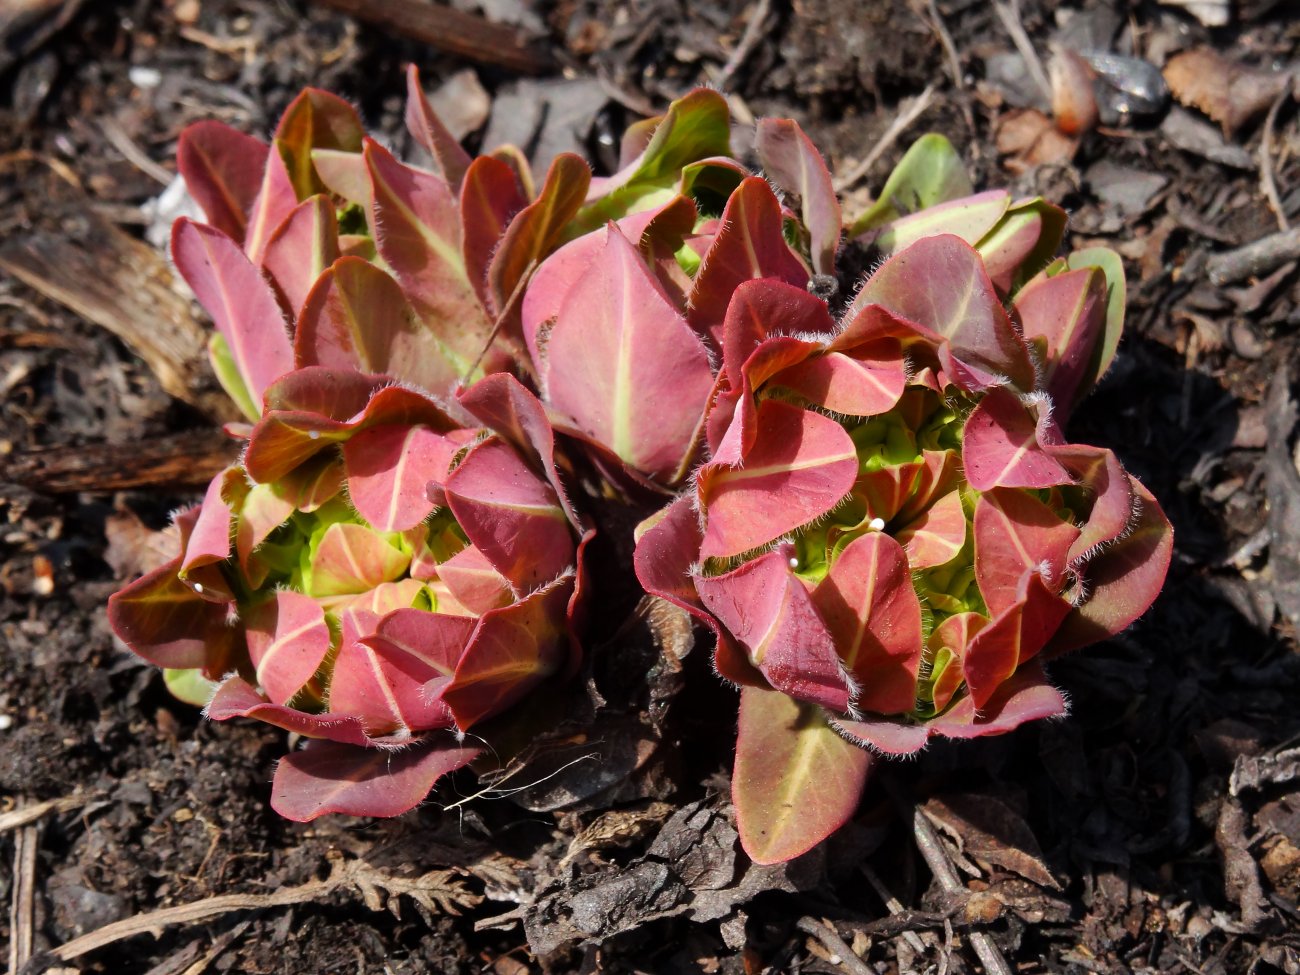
x: 1230, y: 93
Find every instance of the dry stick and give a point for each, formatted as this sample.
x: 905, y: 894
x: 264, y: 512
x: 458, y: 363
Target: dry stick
x: 1010, y: 17
x: 936, y: 858
x: 748, y: 41
x: 22, y: 905
x: 1255, y: 259
x: 893, y: 904
x: 29, y: 814
x: 453, y: 32
x: 945, y: 40
x: 1267, y: 182
x: 843, y: 955
x: 913, y: 110
x: 137, y: 157
x: 183, y: 460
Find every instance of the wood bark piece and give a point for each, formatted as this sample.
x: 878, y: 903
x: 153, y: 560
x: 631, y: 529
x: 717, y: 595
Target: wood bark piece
x: 122, y: 284
x: 185, y: 460
x: 453, y: 32
x: 1255, y: 259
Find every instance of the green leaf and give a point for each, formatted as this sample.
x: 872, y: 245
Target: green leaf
x: 223, y: 364
x: 1116, y: 295
x: 189, y: 686
x: 931, y: 172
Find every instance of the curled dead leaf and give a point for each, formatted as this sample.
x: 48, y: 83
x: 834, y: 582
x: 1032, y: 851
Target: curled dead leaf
x: 1230, y: 93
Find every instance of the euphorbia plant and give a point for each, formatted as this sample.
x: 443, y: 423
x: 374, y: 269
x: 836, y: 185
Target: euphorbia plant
x: 891, y: 534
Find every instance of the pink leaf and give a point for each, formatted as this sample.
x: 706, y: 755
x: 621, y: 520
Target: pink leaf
x: 511, y: 515
x: 389, y: 469
x: 889, y: 737
x: 536, y: 229
x: 418, y: 234
x: 770, y: 613
x: 427, y: 129
x: 357, y: 317
x: 208, y: 541
x: 795, y: 165
x: 275, y: 201
x: 795, y: 781
x: 1017, y: 536
x: 870, y: 607
x: 1026, y: 696
x: 301, y: 248
x: 325, y: 777
x: 1003, y: 446
x: 513, y: 649
x: 763, y: 308
x: 385, y: 685
x: 288, y: 639
x: 937, y: 534
x: 167, y: 623
x: 474, y: 582
x: 222, y: 168
x: 969, y: 218
x: 1014, y: 636
x: 801, y: 466
x: 262, y: 511
x: 625, y: 367
x: 867, y: 383
x: 1123, y: 580
x: 1064, y: 316
x: 940, y: 285
x: 749, y: 245
x: 240, y: 301
x: 489, y: 198
x: 236, y: 698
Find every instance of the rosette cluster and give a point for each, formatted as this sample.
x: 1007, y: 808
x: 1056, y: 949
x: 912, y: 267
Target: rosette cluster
x: 863, y: 486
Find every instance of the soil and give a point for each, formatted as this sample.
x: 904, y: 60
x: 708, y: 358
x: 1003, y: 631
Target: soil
x: 1157, y: 829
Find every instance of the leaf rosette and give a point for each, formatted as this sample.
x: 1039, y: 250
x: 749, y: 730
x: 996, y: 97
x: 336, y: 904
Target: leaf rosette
x: 891, y: 534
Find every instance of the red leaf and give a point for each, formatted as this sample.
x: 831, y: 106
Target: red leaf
x: 1016, y: 537
x: 315, y: 119
x: 867, y: 383
x: 939, y: 285
x: 763, y: 308
x: 795, y: 781
x: 474, y: 582
x: 937, y: 534
x: 1026, y: 696
x: 222, y: 168
x: 536, y: 229
x: 870, y: 607
x: 1123, y: 580
x: 795, y: 165
x: 624, y: 367
x: 326, y: 777
x: 167, y: 623
x: 513, y: 649
x: 386, y: 687
x: 489, y: 198
x: 802, y: 464
x: 1003, y: 446
x: 301, y: 248
x: 275, y: 200
x: 288, y: 639
x: 1014, y: 636
x: 427, y: 129
x: 749, y: 245
x: 417, y: 224
x: 388, y: 473
x: 769, y: 612
x: 242, y: 305
x: 1063, y: 316
x: 511, y: 515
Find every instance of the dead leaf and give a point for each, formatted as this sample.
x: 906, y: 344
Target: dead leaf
x: 1282, y: 488
x: 133, y: 548
x: 1211, y: 13
x: 1230, y: 93
x: 1029, y: 138
x: 988, y: 830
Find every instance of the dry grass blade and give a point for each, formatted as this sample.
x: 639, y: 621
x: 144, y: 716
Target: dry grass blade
x: 26, y: 814
x: 911, y: 110
x: 22, y: 904
x: 436, y: 889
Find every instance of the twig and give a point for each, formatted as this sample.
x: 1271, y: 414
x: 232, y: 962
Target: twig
x: 945, y: 39
x: 748, y: 41
x: 911, y: 111
x: 1010, y: 17
x: 936, y: 858
x: 841, y: 954
x: 1267, y: 181
x: 136, y: 156
x: 893, y: 905
x: 453, y: 32
x: 22, y: 904
x: 25, y: 814
x: 1255, y: 259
